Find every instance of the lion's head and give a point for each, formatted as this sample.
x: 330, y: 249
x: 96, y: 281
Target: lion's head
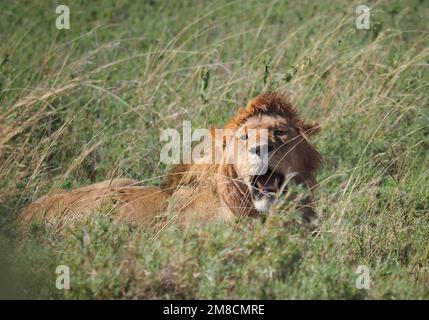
x: 263, y: 147
x: 270, y: 147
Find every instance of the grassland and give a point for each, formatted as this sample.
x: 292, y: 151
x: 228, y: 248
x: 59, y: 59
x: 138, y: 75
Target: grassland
x: 86, y: 104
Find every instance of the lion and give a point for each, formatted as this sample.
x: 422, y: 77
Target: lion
x: 243, y: 183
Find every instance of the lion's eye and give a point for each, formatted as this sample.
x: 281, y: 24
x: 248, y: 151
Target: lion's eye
x: 244, y: 137
x: 280, y: 132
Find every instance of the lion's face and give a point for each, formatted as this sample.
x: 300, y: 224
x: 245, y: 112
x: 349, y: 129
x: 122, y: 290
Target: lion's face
x: 269, y: 150
x: 267, y: 156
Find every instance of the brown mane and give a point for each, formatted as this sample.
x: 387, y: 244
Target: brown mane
x: 271, y: 103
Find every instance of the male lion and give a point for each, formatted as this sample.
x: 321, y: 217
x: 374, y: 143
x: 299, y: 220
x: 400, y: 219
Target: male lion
x: 204, y: 190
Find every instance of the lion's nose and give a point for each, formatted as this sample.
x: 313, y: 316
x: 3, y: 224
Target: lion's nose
x: 269, y: 189
x: 261, y: 149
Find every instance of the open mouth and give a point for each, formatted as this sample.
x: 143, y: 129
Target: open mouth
x: 268, y: 184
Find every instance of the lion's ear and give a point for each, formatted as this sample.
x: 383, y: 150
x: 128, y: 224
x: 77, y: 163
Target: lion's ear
x: 212, y: 131
x: 311, y: 128
x: 216, y: 135
x: 217, y: 138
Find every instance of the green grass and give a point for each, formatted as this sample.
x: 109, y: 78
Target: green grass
x: 86, y: 104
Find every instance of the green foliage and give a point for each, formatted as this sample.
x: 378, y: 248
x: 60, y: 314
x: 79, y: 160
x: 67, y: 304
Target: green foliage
x: 86, y: 104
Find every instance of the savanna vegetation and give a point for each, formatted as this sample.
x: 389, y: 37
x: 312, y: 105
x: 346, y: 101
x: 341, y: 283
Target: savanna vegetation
x: 87, y: 104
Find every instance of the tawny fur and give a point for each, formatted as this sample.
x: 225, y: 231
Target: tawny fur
x: 202, y: 192
x: 123, y: 198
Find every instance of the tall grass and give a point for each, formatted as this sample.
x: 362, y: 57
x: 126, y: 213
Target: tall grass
x: 86, y: 104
